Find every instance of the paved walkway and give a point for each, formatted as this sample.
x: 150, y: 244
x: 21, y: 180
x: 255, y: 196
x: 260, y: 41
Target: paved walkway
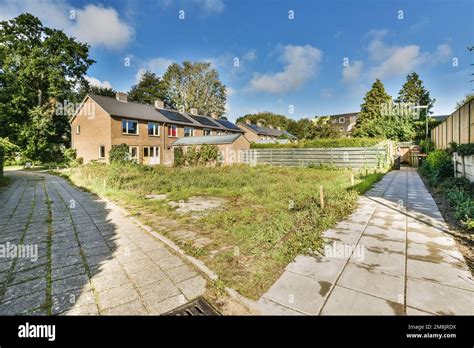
x: 392, y: 256
x: 90, y: 258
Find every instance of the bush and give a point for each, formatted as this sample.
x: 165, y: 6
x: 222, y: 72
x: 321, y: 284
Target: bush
x: 205, y: 154
x: 465, y: 149
x: 119, y: 154
x: 2, y: 159
x: 437, y: 166
x: 324, y: 143
x: 70, y: 155
x: 459, y: 194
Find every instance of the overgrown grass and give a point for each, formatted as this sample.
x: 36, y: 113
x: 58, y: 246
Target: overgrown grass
x: 324, y: 143
x: 272, y: 214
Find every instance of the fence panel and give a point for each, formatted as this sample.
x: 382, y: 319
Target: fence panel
x: 357, y: 158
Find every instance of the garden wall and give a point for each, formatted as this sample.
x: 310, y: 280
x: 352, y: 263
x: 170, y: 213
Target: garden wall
x: 351, y: 157
x: 464, y: 166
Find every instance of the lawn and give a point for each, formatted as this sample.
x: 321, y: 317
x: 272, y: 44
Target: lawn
x: 270, y: 214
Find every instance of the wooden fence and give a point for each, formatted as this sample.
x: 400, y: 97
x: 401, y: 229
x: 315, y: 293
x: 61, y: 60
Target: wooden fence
x: 353, y: 157
x: 458, y: 127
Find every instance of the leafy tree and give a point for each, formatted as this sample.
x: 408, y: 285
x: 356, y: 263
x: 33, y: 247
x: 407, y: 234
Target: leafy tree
x: 149, y: 89
x: 40, y: 134
x: 323, y: 129
x: 98, y: 90
x: 194, y: 85
x: 389, y: 126
x: 270, y: 118
x: 37, y: 64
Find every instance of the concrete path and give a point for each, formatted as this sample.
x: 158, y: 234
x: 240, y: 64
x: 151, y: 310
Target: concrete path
x: 86, y: 257
x: 392, y: 256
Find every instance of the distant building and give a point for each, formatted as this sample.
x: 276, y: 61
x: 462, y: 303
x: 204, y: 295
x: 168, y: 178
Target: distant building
x: 256, y: 133
x: 343, y: 122
x: 439, y: 118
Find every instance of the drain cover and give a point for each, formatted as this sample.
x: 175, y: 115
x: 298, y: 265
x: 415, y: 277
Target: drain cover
x: 197, y: 307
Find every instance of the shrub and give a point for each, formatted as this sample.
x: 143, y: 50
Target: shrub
x: 119, y: 154
x: 205, y: 154
x: 459, y: 194
x: 178, y: 156
x: 465, y: 149
x: 70, y: 155
x: 437, y: 166
x: 2, y: 159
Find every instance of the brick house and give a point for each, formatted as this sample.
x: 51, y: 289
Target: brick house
x: 149, y: 130
x: 257, y: 133
x: 344, y: 122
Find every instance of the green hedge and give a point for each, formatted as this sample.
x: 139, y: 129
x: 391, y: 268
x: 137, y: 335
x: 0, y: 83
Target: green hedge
x: 437, y: 166
x: 324, y: 143
x: 465, y: 149
x: 2, y: 159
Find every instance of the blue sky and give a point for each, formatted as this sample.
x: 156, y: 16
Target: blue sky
x: 284, y: 63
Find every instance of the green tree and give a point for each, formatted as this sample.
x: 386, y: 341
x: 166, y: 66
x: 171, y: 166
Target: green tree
x: 270, y: 118
x: 37, y: 65
x: 467, y: 98
x: 194, y: 85
x: 149, y: 89
x: 371, y: 109
x: 414, y: 92
x: 98, y: 90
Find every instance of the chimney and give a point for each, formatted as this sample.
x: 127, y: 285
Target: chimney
x: 259, y: 124
x: 120, y: 96
x: 248, y: 121
x: 270, y: 126
x: 279, y: 128
x: 159, y: 104
x: 214, y: 115
x: 194, y: 111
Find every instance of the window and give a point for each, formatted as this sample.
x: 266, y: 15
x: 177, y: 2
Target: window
x: 206, y: 131
x: 101, y: 151
x: 78, y: 129
x: 133, y: 152
x: 342, y: 120
x: 333, y: 120
x: 129, y: 127
x: 153, y: 129
x: 188, y: 132
x: 172, y: 131
x: 146, y: 151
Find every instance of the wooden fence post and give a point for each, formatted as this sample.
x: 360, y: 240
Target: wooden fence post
x: 352, y: 179
x: 321, y: 196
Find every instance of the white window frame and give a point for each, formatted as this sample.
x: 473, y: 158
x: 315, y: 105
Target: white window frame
x: 343, y: 120
x: 156, y: 129
x: 206, y: 130
x: 100, y: 151
x: 78, y: 129
x: 172, y: 126
x: 126, y: 127
x: 334, y: 120
x: 130, y: 152
x: 191, y: 133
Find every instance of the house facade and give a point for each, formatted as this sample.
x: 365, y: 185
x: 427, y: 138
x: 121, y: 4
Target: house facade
x: 343, y: 122
x: 258, y: 133
x: 149, y: 130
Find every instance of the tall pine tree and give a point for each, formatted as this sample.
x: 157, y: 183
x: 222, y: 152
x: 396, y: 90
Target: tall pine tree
x: 371, y: 108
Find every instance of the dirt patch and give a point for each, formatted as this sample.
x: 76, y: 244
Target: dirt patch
x: 462, y: 237
x: 197, y: 206
x: 156, y: 197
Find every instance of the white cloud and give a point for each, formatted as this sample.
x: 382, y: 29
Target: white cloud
x: 401, y: 61
x: 97, y: 83
x: 211, y: 6
x: 301, y: 63
x: 250, y: 56
x: 157, y: 65
x: 352, y: 73
x: 96, y: 25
